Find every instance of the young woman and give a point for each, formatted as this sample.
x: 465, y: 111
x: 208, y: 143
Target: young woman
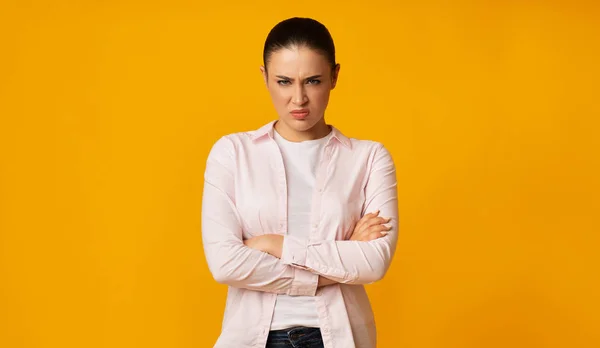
x: 297, y: 217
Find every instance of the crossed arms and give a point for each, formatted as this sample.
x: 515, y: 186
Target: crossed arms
x: 287, y: 264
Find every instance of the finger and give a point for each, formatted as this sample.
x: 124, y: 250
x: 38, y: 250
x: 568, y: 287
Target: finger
x: 379, y: 229
x: 364, y: 219
x: 378, y: 221
x: 365, y: 234
x: 379, y: 234
x: 376, y: 235
x: 369, y: 216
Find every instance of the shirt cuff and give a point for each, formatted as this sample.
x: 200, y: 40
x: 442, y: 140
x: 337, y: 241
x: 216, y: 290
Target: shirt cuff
x: 305, y: 283
x: 294, y: 251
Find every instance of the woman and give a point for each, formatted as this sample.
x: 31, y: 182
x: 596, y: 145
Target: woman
x: 296, y: 217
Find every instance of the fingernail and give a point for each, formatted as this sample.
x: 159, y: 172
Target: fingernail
x: 384, y: 233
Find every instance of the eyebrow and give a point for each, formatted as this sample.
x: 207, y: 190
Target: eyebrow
x: 288, y: 78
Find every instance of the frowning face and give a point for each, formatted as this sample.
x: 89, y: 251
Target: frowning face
x: 299, y: 80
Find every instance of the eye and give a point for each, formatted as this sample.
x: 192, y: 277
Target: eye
x: 283, y: 82
x: 313, y: 82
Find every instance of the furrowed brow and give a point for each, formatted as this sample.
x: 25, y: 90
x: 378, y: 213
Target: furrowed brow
x: 291, y: 79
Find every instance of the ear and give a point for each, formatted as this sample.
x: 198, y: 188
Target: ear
x: 263, y: 70
x: 334, y: 75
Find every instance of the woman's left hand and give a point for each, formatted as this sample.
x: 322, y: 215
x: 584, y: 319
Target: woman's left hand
x: 268, y: 243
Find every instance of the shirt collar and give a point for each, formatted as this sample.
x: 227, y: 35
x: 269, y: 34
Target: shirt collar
x: 268, y: 129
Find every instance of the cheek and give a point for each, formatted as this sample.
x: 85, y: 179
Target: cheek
x: 319, y: 98
x: 279, y: 96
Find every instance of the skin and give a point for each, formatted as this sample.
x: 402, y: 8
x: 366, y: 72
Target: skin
x: 300, y: 77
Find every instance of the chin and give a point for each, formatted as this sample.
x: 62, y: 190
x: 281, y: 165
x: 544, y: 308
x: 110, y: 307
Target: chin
x: 301, y: 125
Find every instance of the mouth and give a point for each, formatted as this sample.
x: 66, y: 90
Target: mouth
x: 300, y: 114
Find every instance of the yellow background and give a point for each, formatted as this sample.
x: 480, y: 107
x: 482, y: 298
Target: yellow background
x: 490, y: 109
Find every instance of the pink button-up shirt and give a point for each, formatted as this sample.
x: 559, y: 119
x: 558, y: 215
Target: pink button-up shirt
x: 245, y: 195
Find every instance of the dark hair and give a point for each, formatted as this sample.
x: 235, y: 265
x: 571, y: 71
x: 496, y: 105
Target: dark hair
x: 299, y: 31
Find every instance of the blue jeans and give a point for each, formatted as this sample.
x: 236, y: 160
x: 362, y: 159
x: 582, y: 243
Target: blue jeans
x: 295, y: 337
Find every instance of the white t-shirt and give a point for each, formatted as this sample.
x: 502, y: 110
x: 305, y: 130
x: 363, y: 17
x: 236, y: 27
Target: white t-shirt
x: 300, y: 160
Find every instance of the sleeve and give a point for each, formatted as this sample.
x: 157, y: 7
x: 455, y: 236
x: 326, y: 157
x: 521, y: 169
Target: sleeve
x: 355, y: 262
x: 229, y: 260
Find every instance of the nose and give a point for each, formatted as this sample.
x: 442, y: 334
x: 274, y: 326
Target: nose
x: 299, y: 97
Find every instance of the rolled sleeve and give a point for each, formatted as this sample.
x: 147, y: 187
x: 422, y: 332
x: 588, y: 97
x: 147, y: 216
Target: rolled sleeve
x: 304, y: 283
x: 294, y: 251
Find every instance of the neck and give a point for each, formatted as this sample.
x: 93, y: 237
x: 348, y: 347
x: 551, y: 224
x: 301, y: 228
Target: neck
x: 318, y: 131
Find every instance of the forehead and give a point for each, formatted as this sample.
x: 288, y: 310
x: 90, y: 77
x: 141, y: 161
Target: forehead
x: 297, y: 61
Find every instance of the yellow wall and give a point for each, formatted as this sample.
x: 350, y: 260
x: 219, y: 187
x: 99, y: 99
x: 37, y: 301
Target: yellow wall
x: 490, y: 109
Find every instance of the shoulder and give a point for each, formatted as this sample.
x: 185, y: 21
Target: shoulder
x: 375, y: 152
x: 373, y: 147
x: 362, y: 144
x: 356, y: 145
x: 368, y: 149
x: 232, y: 141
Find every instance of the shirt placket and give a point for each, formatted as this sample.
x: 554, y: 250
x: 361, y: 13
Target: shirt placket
x: 275, y: 162
x: 320, y: 180
x: 319, y: 189
x: 281, y: 187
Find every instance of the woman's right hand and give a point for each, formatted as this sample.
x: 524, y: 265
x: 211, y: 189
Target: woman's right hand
x: 370, y: 227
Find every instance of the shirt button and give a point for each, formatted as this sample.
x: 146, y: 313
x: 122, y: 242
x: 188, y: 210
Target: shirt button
x: 315, y: 225
x: 320, y: 190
